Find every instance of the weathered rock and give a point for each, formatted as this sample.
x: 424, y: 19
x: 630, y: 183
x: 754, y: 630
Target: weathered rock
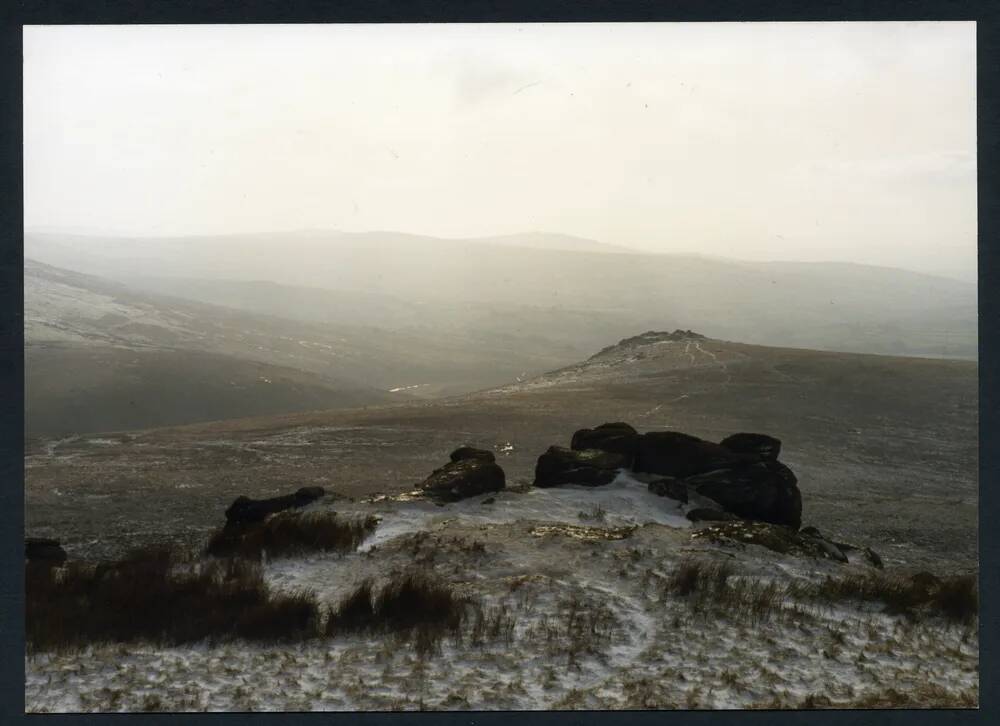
x: 766, y: 446
x: 464, y: 478
x: 763, y: 490
x: 44, y: 550
x: 590, y: 467
x: 672, y: 453
x: 669, y: 487
x: 774, y: 537
x: 468, y: 452
x: 704, y: 514
x: 868, y: 553
x: 245, y: 510
x: 618, y: 438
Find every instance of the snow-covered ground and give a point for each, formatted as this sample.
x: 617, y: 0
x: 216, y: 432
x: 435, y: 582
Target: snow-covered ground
x: 545, y: 559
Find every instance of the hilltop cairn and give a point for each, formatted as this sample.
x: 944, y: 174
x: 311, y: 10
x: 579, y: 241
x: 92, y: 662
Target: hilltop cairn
x: 741, y: 474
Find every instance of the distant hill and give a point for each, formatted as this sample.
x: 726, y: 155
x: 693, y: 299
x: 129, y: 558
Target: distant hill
x: 100, y: 355
x: 542, y: 288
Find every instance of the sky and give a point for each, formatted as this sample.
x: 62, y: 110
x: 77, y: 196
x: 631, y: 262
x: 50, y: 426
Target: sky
x: 763, y: 141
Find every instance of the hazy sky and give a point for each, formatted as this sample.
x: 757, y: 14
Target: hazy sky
x: 805, y: 141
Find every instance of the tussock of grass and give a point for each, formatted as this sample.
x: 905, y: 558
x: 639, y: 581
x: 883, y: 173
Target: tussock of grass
x: 953, y: 598
x: 289, y: 533
x: 154, y: 595
x: 412, y: 605
x: 490, y: 625
x: 714, y: 587
x: 711, y: 587
x: 576, y: 629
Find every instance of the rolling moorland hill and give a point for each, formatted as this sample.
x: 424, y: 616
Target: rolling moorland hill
x: 539, y: 287
x: 885, y: 448
x: 101, y: 355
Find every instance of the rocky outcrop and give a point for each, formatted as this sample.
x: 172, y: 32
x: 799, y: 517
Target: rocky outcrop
x: 245, y: 510
x: 765, y: 446
x: 590, y: 467
x: 672, y: 453
x: 741, y: 475
x: 463, y: 478
x: 762, y: 490
x: 42, y: 550
x: 617, y: 438
x: 650, y: 337
x: 805, y: 542
x: 468, y: 452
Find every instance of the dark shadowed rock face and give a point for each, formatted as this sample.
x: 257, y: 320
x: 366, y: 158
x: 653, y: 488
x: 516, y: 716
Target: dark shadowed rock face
x: 464, y: 478
x: 591, y: 467
x: 44, y: 550
x: 766, y: 446
x: 669, y: 487
x: 618, y: 438
x: 245, y: 510
x: 468, y: 452
x: 762, y: 490
x: 672, y: 453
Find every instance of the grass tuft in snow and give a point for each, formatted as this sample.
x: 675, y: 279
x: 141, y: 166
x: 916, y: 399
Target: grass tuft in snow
x: 954, y: 598
x: 413, y: 605
x: 714, y: 588
x: 155, y: 595
x: 289, y: 533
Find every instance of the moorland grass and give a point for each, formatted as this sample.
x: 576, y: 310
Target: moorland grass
x: 156, y: 595
x: 291, y: 533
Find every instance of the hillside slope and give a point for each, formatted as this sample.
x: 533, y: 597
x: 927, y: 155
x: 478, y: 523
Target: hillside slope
x: 885, y: 448
x: 831, y: 306
x: 86, y: 335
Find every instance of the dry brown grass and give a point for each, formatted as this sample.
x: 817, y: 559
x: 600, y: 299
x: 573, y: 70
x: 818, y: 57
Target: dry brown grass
x: 156, y: 595
x: 954, y: 598
x: 289, y: 533
x: 413, y: 606
x: 714, y: 588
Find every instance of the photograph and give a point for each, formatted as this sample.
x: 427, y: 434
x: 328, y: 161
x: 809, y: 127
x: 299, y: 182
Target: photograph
x: 550, y: 366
